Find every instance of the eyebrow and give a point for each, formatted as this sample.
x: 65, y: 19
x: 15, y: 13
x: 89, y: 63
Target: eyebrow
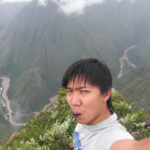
x: 79, y: 88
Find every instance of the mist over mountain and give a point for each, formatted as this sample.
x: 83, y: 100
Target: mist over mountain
x: 40, y: 42
x: 8, y: 11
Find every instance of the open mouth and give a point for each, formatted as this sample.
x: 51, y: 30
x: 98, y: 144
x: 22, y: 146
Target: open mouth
x: 75, y: 115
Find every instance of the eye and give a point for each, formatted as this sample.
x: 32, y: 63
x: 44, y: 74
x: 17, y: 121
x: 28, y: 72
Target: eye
x: 69, y: 91
x: 84, y: 91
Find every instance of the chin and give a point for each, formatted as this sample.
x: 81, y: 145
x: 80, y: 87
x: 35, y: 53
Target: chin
x: 82, y: 122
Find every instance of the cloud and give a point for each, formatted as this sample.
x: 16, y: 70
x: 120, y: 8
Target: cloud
x: 11, y: 1
x: 75, y: 6
x: 69, y: 6
x: 131, y: 1
x: 78, y: 6
x: 42, y: 2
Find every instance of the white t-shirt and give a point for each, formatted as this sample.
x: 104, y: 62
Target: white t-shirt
x: 100, y: 136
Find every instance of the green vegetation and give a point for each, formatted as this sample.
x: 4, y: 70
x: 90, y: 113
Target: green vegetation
x: 136, y: 122
x: 53, y: 128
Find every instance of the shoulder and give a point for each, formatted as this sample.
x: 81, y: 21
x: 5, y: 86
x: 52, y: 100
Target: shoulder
x: 117, y: 133
x: 114, y: 135
x: 124, y: 145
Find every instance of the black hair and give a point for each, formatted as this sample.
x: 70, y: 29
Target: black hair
x: 93, y: 71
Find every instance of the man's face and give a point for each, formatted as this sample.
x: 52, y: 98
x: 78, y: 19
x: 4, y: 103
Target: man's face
x: 87, y: 103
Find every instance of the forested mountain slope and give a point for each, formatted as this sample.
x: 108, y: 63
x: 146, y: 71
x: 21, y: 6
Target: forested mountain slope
x: 141, y: 55
x: 5, y: 129
x: 134, y: 86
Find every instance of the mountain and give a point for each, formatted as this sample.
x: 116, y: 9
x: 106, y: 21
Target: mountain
x: 134, y: 86
x: 41, y: 42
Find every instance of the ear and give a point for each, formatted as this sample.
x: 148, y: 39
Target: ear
x: 107, y: 95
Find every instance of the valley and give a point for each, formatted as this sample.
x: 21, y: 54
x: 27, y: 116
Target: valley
x: 5, y: 86
x: 11, y: 112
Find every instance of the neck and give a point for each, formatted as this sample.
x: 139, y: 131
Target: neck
x: 104, y: 114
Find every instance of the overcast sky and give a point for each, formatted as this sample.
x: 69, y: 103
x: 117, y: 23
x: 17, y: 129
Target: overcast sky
x: 68, y: 6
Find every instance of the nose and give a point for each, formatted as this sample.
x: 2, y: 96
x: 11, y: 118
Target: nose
x: 75, y: 99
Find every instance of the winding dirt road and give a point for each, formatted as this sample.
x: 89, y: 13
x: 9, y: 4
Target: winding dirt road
x: 52, y: 102
x: 125, y: 58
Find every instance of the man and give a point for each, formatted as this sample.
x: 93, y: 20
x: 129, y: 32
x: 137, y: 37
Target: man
x: 88, y: 83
